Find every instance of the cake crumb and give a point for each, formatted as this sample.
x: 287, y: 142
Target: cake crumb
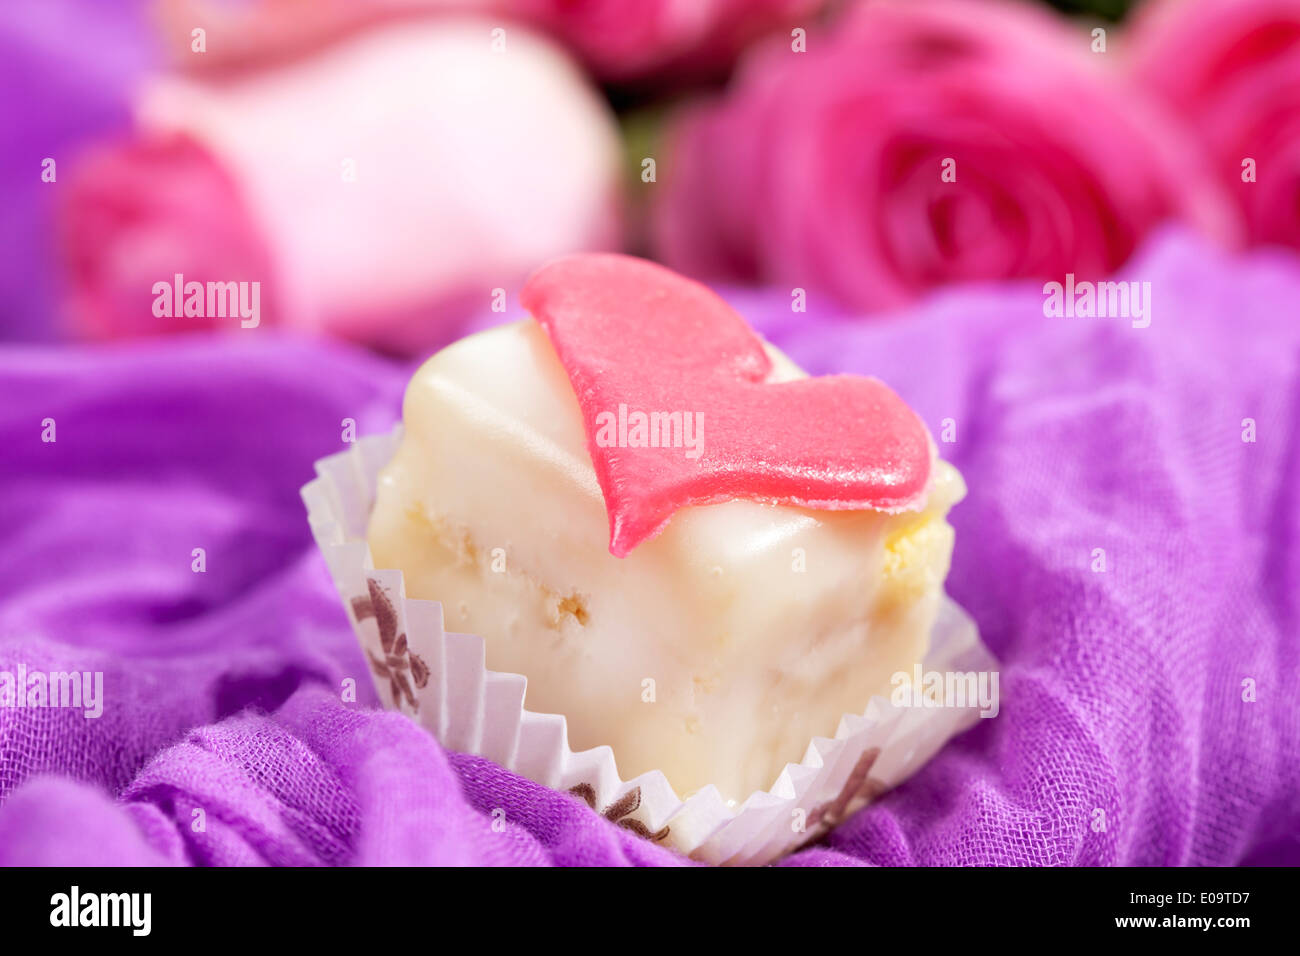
x: 574, y: 606
x: 706, y: 683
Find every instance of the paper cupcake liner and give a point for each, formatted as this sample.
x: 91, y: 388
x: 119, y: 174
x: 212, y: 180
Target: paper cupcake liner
x: 440, y: 679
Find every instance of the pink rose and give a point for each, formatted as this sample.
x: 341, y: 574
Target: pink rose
x: 619, y: 40
x: 922, y: 143
x: 630, y: 39
x: 394, y: 180
x: 1231, y: 68
x: 255, y: 33
x: 140, y: 212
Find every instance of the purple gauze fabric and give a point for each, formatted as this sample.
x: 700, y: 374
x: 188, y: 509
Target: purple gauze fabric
x: 1123, y: 735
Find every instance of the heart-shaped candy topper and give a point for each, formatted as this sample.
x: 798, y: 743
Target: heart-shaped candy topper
x: 678, y: 408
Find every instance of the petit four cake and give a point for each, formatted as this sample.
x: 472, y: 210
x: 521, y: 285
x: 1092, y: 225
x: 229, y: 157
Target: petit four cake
x: 694, y: 552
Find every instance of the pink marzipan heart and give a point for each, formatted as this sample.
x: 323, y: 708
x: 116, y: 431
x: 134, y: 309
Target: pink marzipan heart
x: 631, y: 333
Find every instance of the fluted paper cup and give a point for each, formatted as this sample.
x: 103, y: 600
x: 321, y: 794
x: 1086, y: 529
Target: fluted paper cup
x: 440, y: 679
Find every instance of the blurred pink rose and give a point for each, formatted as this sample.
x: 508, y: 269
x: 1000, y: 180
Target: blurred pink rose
x: 137, y: 205
x: 631, y: 39
x: 825, y: 168
x: 619, y: 40
x: 1231, y: 68
x: 247, y: 34
x: 394, y: 179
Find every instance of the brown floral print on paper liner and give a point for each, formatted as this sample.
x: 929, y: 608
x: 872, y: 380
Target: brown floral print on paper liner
x: 617, y: 812
x: 399, y: 660
x: 857, y: 785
